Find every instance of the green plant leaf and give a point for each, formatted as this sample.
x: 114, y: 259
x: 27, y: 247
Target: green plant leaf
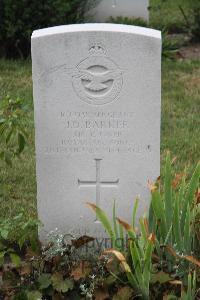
x: 180, y: 207
x: 34, y: 295
x: 136, y: 261
x: 176, y: 224
x: 8, y: 137
x: 193, y: 184
x: 8, y: 158
x: 168, y: 191
x: 4, y: 233
x: 21, y: 296
x: 61, y: 285
x: 167, y: 239
x: 189, y: 287
x: 187, y: 231
x: 160, y: 277
x: 114, y: 219
x: 143, y: 229
x: 67, y: 285
x: 21, y: 142
x: 2, y: 155
x: 15, y: 259
x: 135, y: 208
x: 2, y: 121
x: 147, y: 265
x: 44, y: 281
x: 2, y: 253
x: 121, y: 232
x: 159, y: 211
x: 2, y: 128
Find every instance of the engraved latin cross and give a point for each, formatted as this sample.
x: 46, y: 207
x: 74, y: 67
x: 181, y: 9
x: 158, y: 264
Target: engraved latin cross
x: 98, y: 183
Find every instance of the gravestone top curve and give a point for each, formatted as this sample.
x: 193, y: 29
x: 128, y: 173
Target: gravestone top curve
x: 104, y: 27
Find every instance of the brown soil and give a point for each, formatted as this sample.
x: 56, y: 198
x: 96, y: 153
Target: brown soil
x: 190, y: 51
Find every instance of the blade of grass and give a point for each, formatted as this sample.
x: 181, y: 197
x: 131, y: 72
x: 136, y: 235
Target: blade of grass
x: 159, y: 211
x: 193, y: 185
x: 101, y: 215
x: 168, y: 191
x: 148, y: 265
x: 121, y: 232
x: 176, y: 224
x: 135, y: 208
x: 114, y: 219
x: 136, y: 261
x: 187, y: 236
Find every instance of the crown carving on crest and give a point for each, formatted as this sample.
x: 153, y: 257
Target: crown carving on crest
x: 97, y: 49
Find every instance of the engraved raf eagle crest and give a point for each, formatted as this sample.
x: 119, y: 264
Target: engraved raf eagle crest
x: 97, y: 80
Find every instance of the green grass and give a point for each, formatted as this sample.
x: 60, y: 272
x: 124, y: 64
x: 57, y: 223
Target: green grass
x: 166, y: 14
x: 181, y: 111
x: 180, y: 126
x: 19, y: 181
x: 15, y: 79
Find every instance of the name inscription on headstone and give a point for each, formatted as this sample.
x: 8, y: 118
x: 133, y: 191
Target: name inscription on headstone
x: 95, y: 132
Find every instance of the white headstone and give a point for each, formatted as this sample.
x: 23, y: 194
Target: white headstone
x: 105, y: 9
x: 97, y: 99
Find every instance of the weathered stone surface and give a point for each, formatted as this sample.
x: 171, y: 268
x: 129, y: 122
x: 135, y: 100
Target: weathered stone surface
x: 97, y: 100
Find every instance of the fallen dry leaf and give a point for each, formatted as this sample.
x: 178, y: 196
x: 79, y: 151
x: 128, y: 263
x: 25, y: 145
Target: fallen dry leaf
x: 25, y: 269
x: 124, y: 293
x: 192, y: 260
x: 82, y: 241
x: 120, y: 257
x: 146, y: 225
x: 174, y: 159
x: 112, y: 266
x: 171, y: 251
x: 101, y: 294
x: 152, y: 238
x: 176, y: 282
x: 81, y: 271
x: 126, y: 226
x: 177, y: 179
x: 160, y: 277
x: 92, y: 206
x: 197, y: 194
x: 30, y: 254
x: 152, y: 187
